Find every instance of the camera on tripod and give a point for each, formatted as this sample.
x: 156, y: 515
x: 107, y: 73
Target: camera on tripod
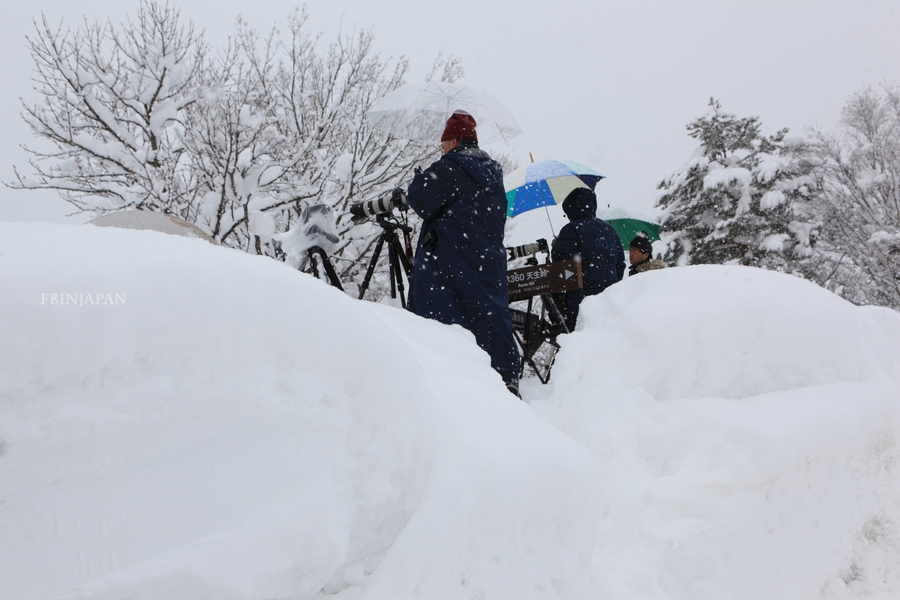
x: 399, y: 257
x: 526, y: 250
x: 372, y: 208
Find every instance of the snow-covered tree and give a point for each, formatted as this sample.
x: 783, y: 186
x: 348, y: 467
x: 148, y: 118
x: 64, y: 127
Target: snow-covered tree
x: 230, y: 143
x: 858, y: 251
x: 109, y: 115
x: 369, y: 163
x: 738, y: 200
x: 142, y: 116
x: 283, y: 125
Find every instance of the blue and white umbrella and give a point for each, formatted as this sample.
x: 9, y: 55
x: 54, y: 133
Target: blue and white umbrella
x: 545, y: 183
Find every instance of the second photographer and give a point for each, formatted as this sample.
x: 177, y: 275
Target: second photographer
x: 595, y: 243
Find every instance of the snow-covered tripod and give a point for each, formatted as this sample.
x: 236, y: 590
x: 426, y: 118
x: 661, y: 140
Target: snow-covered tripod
x: 398, y: 259
x: 333, y: 279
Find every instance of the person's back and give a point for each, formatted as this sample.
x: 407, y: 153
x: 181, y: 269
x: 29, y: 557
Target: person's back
x: 460, y: 268
x: 595, y: 242
x: 467, y: 189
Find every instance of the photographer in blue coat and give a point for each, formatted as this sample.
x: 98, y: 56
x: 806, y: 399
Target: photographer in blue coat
x: 595, y: 242
x: 459, y: 274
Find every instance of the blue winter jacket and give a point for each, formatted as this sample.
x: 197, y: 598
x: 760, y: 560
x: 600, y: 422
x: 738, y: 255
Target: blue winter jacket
x: 596, y: 242
x: 459, y: 274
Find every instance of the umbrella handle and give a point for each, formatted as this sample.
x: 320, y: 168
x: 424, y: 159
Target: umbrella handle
x: 547, y: 210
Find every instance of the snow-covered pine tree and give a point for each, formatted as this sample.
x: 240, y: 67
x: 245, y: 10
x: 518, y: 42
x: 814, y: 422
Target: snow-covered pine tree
x: 736, y: 200
x: 858, y: 252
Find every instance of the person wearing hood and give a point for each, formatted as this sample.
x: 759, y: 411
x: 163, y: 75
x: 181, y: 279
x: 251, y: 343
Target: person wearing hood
x: 459, y: 274
x: 597, y: 245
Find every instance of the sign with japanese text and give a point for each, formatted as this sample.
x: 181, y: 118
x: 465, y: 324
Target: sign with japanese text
x: 535, y: 280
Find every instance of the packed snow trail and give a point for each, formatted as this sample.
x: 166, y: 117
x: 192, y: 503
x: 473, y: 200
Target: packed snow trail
x: 236, y: 429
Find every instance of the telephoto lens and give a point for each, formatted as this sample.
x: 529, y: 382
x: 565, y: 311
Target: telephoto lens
x: 357, y: 212
x: 363, y: 210
x: 527, y: 249
x: 370, y: 208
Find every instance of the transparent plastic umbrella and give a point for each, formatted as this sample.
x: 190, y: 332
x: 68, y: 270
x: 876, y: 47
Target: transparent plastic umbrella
x: 420, y: 112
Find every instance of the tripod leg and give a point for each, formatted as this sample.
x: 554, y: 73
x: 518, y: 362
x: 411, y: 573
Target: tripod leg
x: 398, y: 258
x: 327, y: 267
x: 312, y: 263
x: 554, y: 310
x: 365, y: 284
x: 392, y: 269
x: 403, y: 259
x: 524, y: 352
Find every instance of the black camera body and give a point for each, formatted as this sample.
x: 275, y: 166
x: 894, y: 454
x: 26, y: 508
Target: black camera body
x: 371, y: 208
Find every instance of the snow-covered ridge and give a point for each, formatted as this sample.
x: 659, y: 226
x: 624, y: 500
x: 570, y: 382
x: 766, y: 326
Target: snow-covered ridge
x: 239, y: 429
x: 236, y: 429
x: 748, y: 427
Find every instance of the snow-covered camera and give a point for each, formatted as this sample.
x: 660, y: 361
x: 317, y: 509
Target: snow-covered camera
x: 370, y: 208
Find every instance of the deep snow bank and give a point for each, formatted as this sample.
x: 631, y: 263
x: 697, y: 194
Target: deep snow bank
x: 234, y: 429
x: 748, y: 427
x: 208, y: 424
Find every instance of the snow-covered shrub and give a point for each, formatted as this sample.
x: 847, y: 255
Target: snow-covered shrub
x: 858, y: 250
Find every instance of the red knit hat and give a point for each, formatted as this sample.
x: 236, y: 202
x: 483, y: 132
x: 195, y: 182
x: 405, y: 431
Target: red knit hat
x: 460, y: 126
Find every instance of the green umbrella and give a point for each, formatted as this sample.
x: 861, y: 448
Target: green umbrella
x: 628, y: 224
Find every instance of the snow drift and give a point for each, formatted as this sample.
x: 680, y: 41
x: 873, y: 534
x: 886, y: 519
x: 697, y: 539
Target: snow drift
x: 748, y: 427
x: 238, y: 429
x: 234, y: 429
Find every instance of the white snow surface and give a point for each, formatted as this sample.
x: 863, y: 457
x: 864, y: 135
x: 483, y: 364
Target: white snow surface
x: 237, y: 429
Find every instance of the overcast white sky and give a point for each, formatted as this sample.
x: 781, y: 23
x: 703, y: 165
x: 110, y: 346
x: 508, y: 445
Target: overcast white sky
x: 611, y: 85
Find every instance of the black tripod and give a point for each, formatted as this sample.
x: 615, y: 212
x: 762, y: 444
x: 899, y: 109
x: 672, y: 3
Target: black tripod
x: 326, y: 266
x: 396, y: 256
